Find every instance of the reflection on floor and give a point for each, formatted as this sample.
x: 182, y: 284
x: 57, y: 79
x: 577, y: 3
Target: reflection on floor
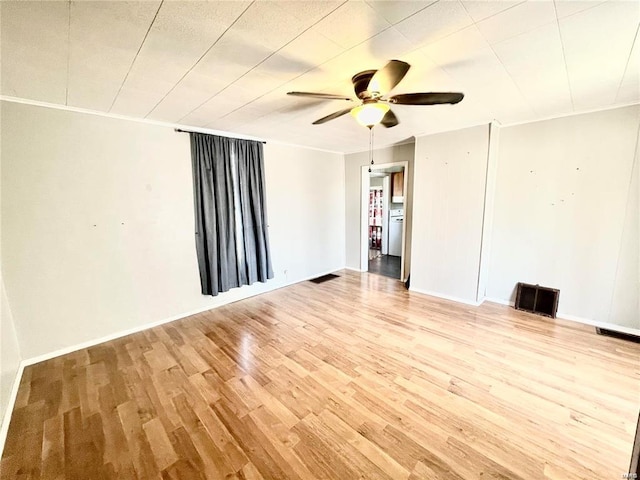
x: 386, y: 265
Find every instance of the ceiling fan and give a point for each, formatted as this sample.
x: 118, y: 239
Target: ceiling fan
x: 371, y: 86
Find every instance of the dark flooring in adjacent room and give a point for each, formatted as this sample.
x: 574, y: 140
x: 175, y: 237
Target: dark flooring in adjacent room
x: 386, y: 265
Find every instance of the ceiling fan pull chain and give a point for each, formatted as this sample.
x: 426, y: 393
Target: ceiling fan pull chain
x: 371, y: 145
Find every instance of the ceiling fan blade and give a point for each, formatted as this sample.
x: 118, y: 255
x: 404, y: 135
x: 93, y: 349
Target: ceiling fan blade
x: 389, y: 120
x: 337, y: 114
x: 326, y: 96
x: 385, y: 79
x: 426, y: 98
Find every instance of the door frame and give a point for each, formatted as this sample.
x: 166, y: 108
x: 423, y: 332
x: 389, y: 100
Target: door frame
x: 364, y: 213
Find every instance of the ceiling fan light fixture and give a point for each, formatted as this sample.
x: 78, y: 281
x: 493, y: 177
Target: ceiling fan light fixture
x: 370, y: 114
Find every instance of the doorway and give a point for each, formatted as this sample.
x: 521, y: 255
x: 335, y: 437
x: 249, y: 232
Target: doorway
x: 383, y: 227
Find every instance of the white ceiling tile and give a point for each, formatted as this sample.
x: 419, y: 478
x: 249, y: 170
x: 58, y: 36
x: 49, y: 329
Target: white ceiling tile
x: 104, y: 40
x: 394, y: 11
x: 591, y: 92
x: 352, y: 23
x: 507, y: 65
x: 435, y: 22
x: 597, y: 43
x: 134, y: 102
x: 256, y: 84
x: 180, y: 35
x: 457, y: 47
x: 517, y: 20
x: 387, y: 45
x: 213, y: 109
x: 566, y: 8
x: 535, y: 62
x: 269, y: 24
x: 93, y: 93
x: 35, y: 50
x: 481, y: 9
x: 308, y: 12
x: 301, y: 55
x: 189, y: 94
x: 629, y: 90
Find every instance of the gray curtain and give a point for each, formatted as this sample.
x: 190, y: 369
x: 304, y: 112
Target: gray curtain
x: 232, y: 240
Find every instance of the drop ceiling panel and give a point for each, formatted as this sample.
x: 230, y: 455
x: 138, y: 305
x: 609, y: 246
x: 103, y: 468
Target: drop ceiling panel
x: 519, y: 19
x: 302, y: 54
x: 352, y: 23
x: 535, y: 62
x: 134, y: 101
x: 479, y: 10
x: 269, y: 24
x: 395, y: 11
x: 256, y: 83
x: 381, y: 48
x: 308, y: 12
x: 457, y: 48
x: 187, y: 95
x: 435, y: 22
x: 227, y: 61
x: 181, y: 34
x: 104, y: 39
x: 209, y: 64
x: 565, y: 8
x: 35, y: 50
x: 597, y: 44
x: 629, y: 89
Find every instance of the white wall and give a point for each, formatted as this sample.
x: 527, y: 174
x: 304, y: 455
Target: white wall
x: 489, y: 206
x: 352, y: 168
x: 97, y: 224
x: 10, y: 357
x: 625, y: 305
x: 561, y: 196
x: 448, y: 206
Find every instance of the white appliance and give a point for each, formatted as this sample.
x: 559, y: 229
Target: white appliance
x: 396, y: 219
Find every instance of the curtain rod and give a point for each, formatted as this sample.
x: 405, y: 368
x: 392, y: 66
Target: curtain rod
x: 179, y: 130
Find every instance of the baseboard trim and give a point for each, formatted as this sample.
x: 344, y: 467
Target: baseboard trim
x: 173, y: 318
x: 603, y: 325
x: 499, y: 301
x: 584, y: 321
x: 359, y: 270
x: 6, y: 418
x: 446, y: 297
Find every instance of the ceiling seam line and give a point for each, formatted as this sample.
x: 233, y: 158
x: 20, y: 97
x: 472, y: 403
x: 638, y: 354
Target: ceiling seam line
x: 199, y: 59
x: 493, y: 15
x: 136, y: 55
x: 564, y: 57
x: 300, y: 75
x: 626, y: 67
x: 66, y: 92
x: 391, y: 25
x: 506, y: 70
x: 368, y: 3
x: 261, y: 62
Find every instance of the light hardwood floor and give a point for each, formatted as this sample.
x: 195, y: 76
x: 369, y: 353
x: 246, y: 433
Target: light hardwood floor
x: 354, y: 378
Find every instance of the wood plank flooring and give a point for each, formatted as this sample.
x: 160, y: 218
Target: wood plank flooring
x: 354, y: 378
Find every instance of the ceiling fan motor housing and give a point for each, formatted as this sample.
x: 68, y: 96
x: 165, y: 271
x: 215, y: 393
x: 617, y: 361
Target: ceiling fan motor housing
x: 361, y: 82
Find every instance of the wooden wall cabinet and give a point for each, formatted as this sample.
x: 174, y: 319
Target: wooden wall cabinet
x: 397, y: 184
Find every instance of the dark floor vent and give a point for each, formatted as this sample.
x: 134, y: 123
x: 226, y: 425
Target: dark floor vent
x: 621, y: 335
x: 324, y: 278
x: 537, y: 299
